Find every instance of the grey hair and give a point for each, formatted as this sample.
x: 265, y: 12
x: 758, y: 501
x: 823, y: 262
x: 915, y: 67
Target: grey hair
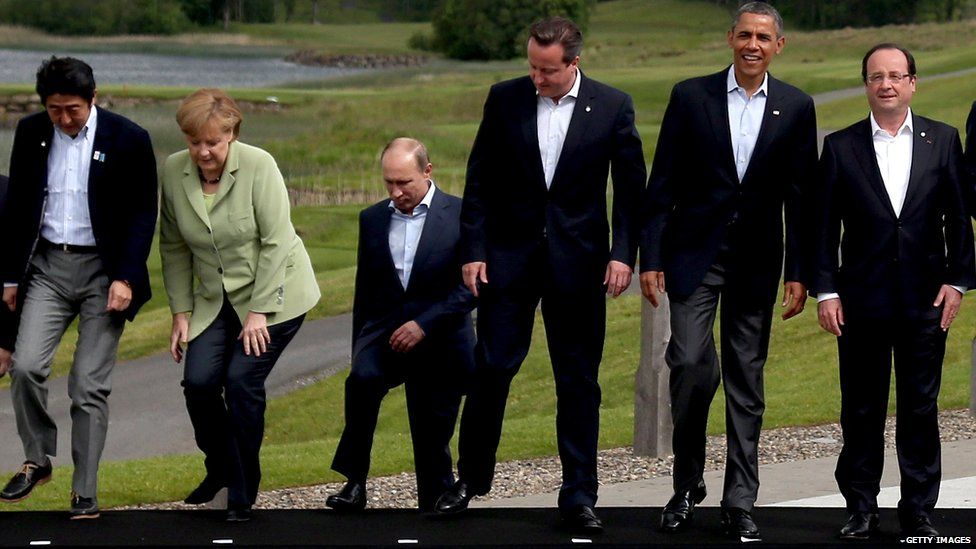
x: 759, y: 8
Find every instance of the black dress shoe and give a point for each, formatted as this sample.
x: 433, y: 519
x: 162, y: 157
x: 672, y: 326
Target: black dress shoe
x: 83, y: 508
x: 738, y: 523
x: 860, y: 526
x: 29, y: 476
x: 582, y: 520
x: 917, y: 526
x: 238, y: 514
x: 206, y: 491
x: 679, y: 510
x: 352, y: 497
x: 455, y: 500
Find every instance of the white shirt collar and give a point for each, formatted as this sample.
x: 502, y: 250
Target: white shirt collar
x: 731, y: 84
x: 428, y: 198
x: 905, y: 126
x: 574, y: 91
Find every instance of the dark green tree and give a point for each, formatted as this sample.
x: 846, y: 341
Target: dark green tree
x: 496, y: 29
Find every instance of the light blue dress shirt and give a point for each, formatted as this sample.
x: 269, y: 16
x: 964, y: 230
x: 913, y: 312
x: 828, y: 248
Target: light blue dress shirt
x: 745, y: 119
x: 405, y: 231
x: 66, y: 216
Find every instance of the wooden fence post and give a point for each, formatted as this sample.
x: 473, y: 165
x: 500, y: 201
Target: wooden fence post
x: 652, y: 402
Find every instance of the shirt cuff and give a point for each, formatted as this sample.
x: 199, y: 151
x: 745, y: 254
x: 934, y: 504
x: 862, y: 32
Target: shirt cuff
x: 10, y: 284
x: 960, y: 289
x: 825, y: 297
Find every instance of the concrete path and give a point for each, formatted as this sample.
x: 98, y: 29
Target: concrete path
x: 147, y: 414
x: 804, y: 483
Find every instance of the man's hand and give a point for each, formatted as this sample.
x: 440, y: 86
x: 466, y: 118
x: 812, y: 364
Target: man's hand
x: 652, y: 284
x: 10, y: 297
x: 617, y: 278
x: 119, y: 296
x: 177, y: 338
x: 830, y: 313
x: 794, y: 297
x: 6, y: 360
x: 255, y: 333
x: 952, y: 299
x: 474, y: 272
x: 406, y: 337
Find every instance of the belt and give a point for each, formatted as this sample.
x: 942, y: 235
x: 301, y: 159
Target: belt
x: 70, y: 248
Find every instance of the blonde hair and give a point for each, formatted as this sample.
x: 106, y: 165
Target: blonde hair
x: 198, y: 108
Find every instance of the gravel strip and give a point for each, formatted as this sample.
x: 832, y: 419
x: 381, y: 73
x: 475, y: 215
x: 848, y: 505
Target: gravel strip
x: 542, y: 475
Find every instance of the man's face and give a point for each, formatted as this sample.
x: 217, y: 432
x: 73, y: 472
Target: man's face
x: 68, y: 112
x: 405, y: 182
x: 551, y: 75
x: 885, y: 96
x: 754, y: 43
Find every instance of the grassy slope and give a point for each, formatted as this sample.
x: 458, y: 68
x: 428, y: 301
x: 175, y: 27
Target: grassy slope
x: 641, y: 50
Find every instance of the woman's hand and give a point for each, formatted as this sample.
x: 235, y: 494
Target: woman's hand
x: 255, y: 333
x: 177, y: 338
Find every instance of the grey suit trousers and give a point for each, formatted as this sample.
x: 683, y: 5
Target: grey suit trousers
x: 62, y: 286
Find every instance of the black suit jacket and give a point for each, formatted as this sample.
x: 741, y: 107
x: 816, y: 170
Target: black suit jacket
x: 971, y: 157
x: 122, y: 199
x: 507, y: 209
x: 694, y: 201
x: 435, y: 296
x: 8, y: 320
x: 892, y: 265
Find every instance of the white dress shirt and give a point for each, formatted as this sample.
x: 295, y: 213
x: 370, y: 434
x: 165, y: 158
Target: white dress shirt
x: 894, y: 156
x: 405, y: 231
x: 66, y: 216
x: 745, y: 119
x: 553, y: 122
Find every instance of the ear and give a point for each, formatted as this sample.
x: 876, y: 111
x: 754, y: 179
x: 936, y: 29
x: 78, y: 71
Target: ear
x: 94, y: 96
x: 780, y: 44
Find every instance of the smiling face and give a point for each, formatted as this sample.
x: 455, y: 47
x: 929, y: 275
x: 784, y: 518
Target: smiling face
x: 552, y: 76
x: 886, y: 97
x: 754, y: 43
x: 208, y: 148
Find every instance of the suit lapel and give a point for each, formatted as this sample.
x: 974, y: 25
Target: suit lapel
x: 194, y: 193
x: 101, y: 147
x: 428, y: 236
x: 921, y: 151
x: 227, y: 178
x: 530, y: 133
x: 587, y: 105
x: 382, y: 239
x: 769, y: 127
x: 866, y: 157
x: 717, y: 108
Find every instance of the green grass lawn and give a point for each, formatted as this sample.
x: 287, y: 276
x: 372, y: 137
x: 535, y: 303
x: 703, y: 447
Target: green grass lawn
x: 327, y: 140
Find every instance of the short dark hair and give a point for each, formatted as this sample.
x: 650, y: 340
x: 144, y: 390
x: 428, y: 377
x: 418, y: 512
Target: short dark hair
x: 759, y: 8
x: 558, y: 30
x: 66, y: 76
x: 887, y: 46
x: 411, y: 146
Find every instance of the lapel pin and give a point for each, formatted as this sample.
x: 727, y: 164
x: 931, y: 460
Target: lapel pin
x: 922, y: 134
x: 43, y: 143
x: 588, y: 108
x: 775, y: 113
x: 99, y: 156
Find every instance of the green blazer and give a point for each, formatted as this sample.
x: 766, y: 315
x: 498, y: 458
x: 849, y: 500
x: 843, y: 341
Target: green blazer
x: 246, y: 246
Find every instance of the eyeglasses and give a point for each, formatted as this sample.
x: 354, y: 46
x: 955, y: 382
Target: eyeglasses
x: 894, y: 78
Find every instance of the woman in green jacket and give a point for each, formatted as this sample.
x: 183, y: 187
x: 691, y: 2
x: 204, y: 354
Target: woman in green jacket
x: 239, y: 283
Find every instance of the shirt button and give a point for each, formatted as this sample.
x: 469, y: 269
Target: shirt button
x: 220, y: 270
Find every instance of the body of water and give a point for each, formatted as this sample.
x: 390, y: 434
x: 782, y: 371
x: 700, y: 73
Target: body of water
x: 20, y: 67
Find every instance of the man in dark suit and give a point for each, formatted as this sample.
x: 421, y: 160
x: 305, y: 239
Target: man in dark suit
x: 894, y: 181
x: 81, y: 215
x: 411, y: 325
x: 534, y: 224
x: 734, y: 147
x: 8, y: 317
x: 971, y: 153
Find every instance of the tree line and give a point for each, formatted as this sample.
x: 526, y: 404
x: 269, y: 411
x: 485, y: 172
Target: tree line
x: 833, y: 14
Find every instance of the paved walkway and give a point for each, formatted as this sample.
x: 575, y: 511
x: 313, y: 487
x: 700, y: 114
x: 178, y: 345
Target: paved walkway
x: 805, y: 483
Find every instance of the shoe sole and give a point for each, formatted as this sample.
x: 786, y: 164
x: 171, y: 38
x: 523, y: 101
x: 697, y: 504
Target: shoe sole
x: 44, y: 480
x: 86, y: 516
